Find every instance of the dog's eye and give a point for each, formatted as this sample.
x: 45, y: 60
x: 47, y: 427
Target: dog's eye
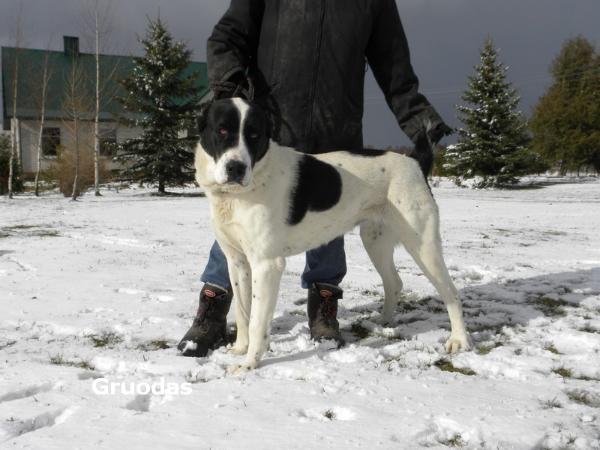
x: 223, y: 131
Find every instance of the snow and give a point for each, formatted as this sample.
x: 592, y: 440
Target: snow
x: 92, y: 291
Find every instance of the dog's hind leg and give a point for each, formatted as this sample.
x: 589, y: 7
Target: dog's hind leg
x: 379, y: 243
x: 266, y: 276
x: 419, y: 232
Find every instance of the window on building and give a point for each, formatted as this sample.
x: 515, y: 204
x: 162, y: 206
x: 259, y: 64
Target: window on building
x: 108, y: 142
x: 50, y: 141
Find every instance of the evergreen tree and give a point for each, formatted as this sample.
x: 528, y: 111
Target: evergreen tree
x: 163, y: 99
x: 566, y: 121
x: 493, y: 144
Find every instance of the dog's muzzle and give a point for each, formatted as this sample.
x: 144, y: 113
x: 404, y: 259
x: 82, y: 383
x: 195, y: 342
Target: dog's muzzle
x: 235, y: 171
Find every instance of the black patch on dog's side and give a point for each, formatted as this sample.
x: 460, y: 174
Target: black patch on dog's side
x: 367, y: 152
x: 319, y: 188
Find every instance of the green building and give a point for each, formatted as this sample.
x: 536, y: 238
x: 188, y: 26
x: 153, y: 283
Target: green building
x: 70, y: 89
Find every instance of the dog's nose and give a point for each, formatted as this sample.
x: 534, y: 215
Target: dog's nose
x: 236, y: 170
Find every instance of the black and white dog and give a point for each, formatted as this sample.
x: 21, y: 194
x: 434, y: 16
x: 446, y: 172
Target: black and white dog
x: 269, y: 202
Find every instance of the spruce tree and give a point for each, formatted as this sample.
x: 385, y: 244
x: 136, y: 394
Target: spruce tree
x: 493, y: 143
x: 566, y: 120
x: 161, y: 99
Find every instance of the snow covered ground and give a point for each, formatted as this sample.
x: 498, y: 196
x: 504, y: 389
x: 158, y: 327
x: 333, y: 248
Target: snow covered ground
x: 100, y: 291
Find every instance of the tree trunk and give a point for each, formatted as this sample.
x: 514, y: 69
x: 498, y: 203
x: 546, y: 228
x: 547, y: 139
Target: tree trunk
x: 97, y: 115
x: 41, y: 132
x: 11, y: 159
x: 76, y: 150
x: 39, y: 154
x: 14, y: 135
x: 14, y: 141
x: 161, y: 185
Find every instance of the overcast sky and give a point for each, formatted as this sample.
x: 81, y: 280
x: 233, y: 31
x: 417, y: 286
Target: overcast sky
x: 444, y: 35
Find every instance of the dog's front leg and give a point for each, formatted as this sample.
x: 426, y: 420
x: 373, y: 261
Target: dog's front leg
x: 240, y: 276
x: 266, y: 276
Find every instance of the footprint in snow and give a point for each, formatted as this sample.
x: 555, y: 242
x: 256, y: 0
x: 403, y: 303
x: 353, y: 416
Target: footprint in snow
x: 17, y: 428
x: 29, y: 391
x: 140, y: 403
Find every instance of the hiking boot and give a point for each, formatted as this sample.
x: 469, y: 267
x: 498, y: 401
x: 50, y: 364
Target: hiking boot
x: 322, y: 312
x: 209, y: 329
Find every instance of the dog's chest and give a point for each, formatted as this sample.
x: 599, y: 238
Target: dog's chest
x: 249, y: 226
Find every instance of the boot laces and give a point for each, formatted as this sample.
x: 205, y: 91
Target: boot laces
x: 206, y: 304
x: 329, y: 309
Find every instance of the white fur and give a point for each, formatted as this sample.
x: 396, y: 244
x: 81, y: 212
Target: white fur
x: 386, y: 195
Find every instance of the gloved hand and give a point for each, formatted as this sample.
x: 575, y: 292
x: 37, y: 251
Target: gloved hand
x: 235, y: 86
x: 425, y: 143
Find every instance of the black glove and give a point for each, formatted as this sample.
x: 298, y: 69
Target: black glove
x: 424, y: 144
x: 437, y: 134
x: 235, y: 86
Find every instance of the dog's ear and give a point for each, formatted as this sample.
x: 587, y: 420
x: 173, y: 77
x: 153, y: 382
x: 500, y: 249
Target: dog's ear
x: 202, y: 116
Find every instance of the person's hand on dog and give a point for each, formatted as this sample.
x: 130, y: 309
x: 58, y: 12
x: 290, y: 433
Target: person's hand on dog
x: 425, y: 144
x: 235, y: 86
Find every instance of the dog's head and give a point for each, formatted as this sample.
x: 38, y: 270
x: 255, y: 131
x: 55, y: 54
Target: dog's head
x: 234, y: 136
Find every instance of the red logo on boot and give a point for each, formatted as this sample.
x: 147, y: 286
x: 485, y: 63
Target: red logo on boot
x: 209, y: 293
x: 325, y: 293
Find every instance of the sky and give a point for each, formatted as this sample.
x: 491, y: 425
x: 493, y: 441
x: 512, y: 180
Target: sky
x: 445, y: 37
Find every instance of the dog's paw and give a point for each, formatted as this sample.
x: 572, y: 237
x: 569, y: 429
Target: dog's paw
x: 457, y: 343
x: 240, y: 369
x: 239, y: 349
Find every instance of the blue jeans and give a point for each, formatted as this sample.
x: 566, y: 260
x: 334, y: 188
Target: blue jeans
x: 324, y: 264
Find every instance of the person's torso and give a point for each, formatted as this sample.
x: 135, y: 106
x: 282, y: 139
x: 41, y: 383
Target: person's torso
x: 311, y: 61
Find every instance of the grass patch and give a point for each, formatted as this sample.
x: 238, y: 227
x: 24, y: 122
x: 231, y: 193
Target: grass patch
x: 583, y: 398
x: 359, y: 331
x: 329, y: 414
x: 455, y: 441
x: 587, y: 328
x: 435, y: 309
x: 29, y: 231
x: 106, y: 339
x: 551, y: 307
x: 552, y: 349
x: 485, y: 349
x: 551, y: 404
x: 156, y: 344
x: 447, y: 366
x: 563, y: 372
x: 59, y: 360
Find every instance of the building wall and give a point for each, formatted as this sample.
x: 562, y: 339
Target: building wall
x: 30, y: 136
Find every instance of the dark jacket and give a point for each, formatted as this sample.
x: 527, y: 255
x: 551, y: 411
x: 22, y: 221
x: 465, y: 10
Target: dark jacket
x: 308, y: 57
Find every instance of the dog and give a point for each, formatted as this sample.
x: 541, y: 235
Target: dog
x: 269, y: 202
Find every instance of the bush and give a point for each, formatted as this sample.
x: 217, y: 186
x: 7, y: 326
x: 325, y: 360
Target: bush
x: 64, y: 171
x: 4, y: 168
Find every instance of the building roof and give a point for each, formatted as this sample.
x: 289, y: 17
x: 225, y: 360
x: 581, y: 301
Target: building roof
x: 60, y: 63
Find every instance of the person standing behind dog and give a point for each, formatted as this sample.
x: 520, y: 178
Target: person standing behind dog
x: 305, y: 61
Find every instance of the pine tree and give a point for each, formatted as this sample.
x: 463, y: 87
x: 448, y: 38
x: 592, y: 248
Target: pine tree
x: 493, y: 144
x: 163, y: 99
x: 566, y: 121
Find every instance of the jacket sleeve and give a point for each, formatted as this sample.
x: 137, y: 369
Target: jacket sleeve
x: 234, y: 40
x: 389, y: 57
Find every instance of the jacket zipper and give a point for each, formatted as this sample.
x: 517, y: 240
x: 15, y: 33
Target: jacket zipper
x: 313, y: 90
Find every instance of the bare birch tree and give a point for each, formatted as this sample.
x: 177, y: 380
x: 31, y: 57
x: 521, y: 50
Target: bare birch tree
x: 45, y: 80
x: 77, y: 108
x: 98, y: 17
x: 14, y: 132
